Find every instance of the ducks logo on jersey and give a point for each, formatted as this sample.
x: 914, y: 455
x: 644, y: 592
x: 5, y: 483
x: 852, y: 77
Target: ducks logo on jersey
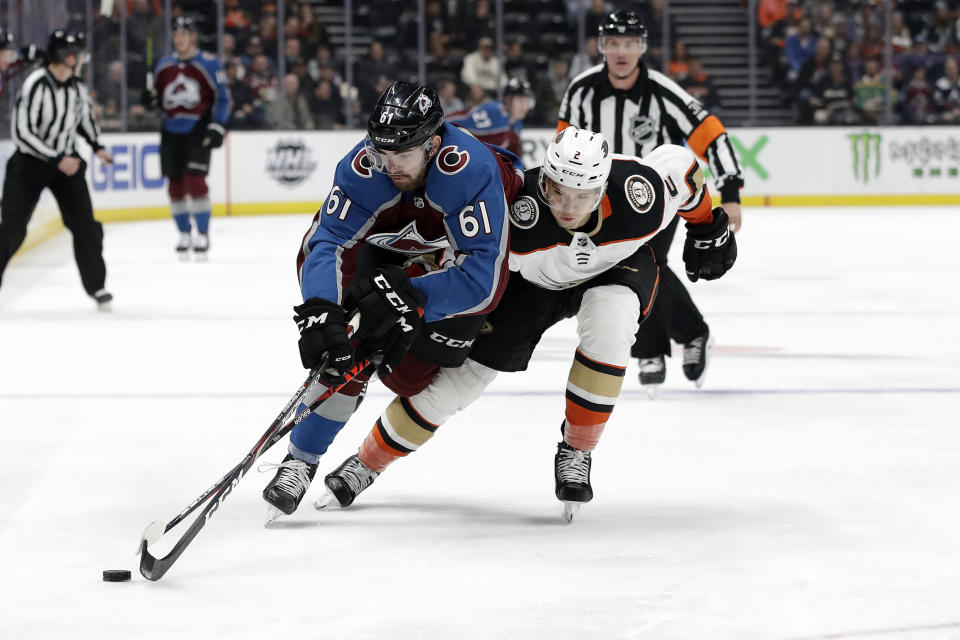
x: 640, y: 193
x: 524, y: 212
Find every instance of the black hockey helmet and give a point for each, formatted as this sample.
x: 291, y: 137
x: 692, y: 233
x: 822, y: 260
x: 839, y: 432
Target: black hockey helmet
x: 405, y: 115
x: 185, y: 23
x: 62, y: 43
x: 517, y: 87
x: 7, y: 41
x: 623, y: 23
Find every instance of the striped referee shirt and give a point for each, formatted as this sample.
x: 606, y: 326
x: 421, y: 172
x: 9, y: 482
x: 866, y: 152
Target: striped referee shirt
x: 50, y: 114
x: 655, y: 111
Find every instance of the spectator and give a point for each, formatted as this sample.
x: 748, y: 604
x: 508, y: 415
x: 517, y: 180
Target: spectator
x: 917, y: 106
x: 229, y: 45
x: 482, y: 69
x: 323, y: 59
x: 244, y: 115
x: 653, y: 20
x: 823, y: 20
x: 475, y: 96
x: 268, y: 34
x: 313, y: 31
x: 292, y: 50
x: 253, y: 49
x: 478, y: 25
x: 262, y: 82
x: 515, y: 65
x: 940, y: 29
x: 441, y: 61
x: 946, y: 92
x: 811, y: 74
x: 589, y: 57
x: 870, y: 92
x: 290, y: 111
x: 799, y: 47
x: 372, y: 66
x: 326, y: 105
x: 832, y: 98
x: 145, y: 37
x: 698, y: 84
x: 550, y: 91
x: 450, y: 102
x: 596, y: 15
x: 679, y: 61
x: 900, y: 38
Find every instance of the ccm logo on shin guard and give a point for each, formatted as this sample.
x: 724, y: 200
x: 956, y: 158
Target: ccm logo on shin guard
x: 450, y: 342
x: 395, y: 300
x: 309, y: 321
x: 713, y: 242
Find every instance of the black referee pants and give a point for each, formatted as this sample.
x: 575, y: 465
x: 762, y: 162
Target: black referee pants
x: 674, y: 315
x: 25, y: 180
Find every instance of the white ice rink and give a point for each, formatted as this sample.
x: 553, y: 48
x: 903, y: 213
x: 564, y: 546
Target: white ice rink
x: 811, y: 489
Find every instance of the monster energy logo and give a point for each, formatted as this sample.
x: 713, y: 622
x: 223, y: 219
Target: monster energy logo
x: 866, y: 150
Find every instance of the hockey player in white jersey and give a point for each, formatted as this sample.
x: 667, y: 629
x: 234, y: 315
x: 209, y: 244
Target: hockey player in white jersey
x: 577, y: 248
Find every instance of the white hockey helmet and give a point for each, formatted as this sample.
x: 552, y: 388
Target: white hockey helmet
x: 577, y: 159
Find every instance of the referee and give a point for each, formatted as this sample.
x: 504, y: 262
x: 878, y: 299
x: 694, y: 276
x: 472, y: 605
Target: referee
x: 637, y: 110
x: 53, y: 106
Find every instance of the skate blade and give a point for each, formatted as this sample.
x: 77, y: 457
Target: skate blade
x: 570, y: 509
x: 201, y: 256
x: 183, y: 256
x: 104, y: 307
x: 326, y: 500
x: 653, y: 390
x: 273, y: 514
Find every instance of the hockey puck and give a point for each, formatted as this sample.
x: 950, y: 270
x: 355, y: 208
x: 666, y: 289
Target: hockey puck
x: 116, y: 575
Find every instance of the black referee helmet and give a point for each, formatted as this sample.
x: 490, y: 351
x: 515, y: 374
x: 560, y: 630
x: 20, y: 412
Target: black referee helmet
x: 7, y: 41
x: 623, y: 23
x: 62, y: 43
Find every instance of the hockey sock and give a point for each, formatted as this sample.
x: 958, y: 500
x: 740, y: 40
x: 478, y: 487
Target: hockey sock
x: 201, y: 213
x: 176, y: 188
x: 592, y: 390
x: 195, y: 186
x: 399, y: 431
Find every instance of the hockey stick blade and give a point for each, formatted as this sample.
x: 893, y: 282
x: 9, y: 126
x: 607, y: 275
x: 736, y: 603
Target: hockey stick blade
x: 153, y: 568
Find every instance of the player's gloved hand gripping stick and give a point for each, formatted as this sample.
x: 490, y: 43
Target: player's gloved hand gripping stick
x: 153, y: 568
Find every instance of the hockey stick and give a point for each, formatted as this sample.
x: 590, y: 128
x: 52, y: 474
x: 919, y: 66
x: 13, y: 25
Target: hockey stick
x: 153, y: 568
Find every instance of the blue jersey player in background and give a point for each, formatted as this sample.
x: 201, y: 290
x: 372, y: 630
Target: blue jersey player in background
x: 413, y: 235
x: 191, y: 88
x: 499, y: 123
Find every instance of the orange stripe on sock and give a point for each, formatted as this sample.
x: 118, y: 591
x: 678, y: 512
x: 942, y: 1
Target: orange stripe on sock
x: 582, y: 416
x: 376, y: 453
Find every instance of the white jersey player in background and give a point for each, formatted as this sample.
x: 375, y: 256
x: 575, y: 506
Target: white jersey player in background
x: 577, y: 248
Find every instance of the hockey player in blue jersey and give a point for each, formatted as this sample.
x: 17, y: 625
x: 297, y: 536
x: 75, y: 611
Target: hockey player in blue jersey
x: 191, y: 88
x: 499, y: 123
x: 413, y: 235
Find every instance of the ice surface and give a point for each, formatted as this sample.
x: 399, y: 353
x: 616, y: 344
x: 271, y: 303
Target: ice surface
x: 809, y: 490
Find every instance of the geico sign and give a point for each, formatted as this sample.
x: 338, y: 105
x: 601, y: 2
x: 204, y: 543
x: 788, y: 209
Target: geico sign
x: 134, y: 167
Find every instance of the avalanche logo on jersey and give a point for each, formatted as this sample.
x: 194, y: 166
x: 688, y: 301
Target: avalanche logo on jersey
x: 524, y: 212
x: 642, y: 128
x: 182, y: 92
x: 407, y: 240
x: 640, y: 193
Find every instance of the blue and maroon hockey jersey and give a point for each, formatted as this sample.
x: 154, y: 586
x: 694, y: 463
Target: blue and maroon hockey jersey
x: 191, y: 91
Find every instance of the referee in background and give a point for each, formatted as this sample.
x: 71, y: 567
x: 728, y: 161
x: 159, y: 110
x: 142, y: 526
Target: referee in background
x: 53, y: 106
x: 637, y: 110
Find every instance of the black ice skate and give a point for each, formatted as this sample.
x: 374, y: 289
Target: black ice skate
x: 288, y: 487
x: 571, y: 472
x: 696, y: 357
x: 346, y: 482
x: 104, y: 299
x: 653, y: 372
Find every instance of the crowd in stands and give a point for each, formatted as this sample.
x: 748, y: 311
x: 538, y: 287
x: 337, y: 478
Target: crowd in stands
x: 540, y: 46
x: 829, y: 58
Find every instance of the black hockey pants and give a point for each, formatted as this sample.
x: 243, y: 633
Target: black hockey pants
x: 674, y: 315
x: 25, y: 180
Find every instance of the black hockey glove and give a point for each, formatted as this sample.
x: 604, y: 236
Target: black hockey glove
x: 150, y: 99
x: 323, y: 330
x: 391, y: 314
x: 213, y: 138
x: 710, y: 249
